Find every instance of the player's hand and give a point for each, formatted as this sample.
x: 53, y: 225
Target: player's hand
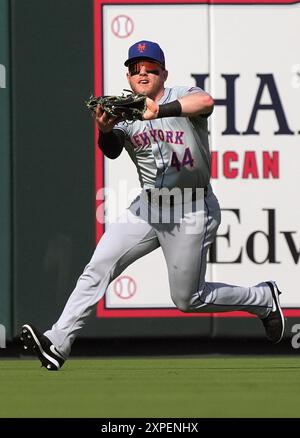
x: 151, y: 111
x: 104, y: 121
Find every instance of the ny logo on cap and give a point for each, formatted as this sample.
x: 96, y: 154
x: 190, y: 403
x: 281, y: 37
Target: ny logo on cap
x: 141, y: 47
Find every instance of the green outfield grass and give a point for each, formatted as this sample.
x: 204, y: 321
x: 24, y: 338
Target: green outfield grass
x: 171, y: 387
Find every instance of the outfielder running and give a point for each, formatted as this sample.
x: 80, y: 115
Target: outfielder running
x: 170, y: 150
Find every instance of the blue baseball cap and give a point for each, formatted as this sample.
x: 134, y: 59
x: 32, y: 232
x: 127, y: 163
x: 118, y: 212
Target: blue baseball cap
x: 146, y: 50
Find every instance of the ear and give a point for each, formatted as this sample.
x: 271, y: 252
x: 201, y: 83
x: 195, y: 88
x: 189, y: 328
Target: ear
x: 165, y: 75
x: 127, y: 76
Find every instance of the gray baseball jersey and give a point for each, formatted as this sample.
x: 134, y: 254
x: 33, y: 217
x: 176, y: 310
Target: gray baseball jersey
x: 170, y: 152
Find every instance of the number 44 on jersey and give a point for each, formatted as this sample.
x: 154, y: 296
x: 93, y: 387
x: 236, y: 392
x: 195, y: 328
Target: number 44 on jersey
x: 187, y: 159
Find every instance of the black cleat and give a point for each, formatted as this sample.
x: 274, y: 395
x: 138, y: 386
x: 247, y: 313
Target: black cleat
x: 42, y: 347
x: 274, y: 322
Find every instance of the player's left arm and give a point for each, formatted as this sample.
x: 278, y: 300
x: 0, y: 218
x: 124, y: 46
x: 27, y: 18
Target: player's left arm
x: 189, y: 105
x: 196, y: 104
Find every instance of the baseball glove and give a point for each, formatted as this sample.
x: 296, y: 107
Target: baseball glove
x: 126, y: 107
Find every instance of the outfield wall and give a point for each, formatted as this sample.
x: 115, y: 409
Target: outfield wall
x: 235, y: 52
x: 63, y: 51
x: 5, y: 174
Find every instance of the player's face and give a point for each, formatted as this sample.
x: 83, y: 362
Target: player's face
x: 147, y: 77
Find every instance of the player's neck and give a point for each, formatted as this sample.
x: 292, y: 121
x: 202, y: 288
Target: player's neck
x: 158, y: 96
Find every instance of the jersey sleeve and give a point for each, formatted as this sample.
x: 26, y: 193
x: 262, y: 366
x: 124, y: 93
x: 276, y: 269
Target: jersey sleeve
x: 123, y: 127
x: 184, y: 91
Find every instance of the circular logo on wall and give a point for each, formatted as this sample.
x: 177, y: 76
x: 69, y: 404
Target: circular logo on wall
x: 122, y: 26
x: 124, y: 287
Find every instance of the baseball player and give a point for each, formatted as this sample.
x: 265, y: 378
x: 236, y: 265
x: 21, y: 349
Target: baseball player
x: 170, y: 150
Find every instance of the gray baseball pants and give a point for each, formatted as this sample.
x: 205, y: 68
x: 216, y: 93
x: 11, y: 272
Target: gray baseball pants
x: 184, y: 247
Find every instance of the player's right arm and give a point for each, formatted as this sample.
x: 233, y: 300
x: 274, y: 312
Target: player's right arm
x: 111, y: 141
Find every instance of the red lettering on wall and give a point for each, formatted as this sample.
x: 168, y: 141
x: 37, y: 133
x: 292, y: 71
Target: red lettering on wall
x: 250, y: 165
x: 271, y: 164
x: 228, y: 170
